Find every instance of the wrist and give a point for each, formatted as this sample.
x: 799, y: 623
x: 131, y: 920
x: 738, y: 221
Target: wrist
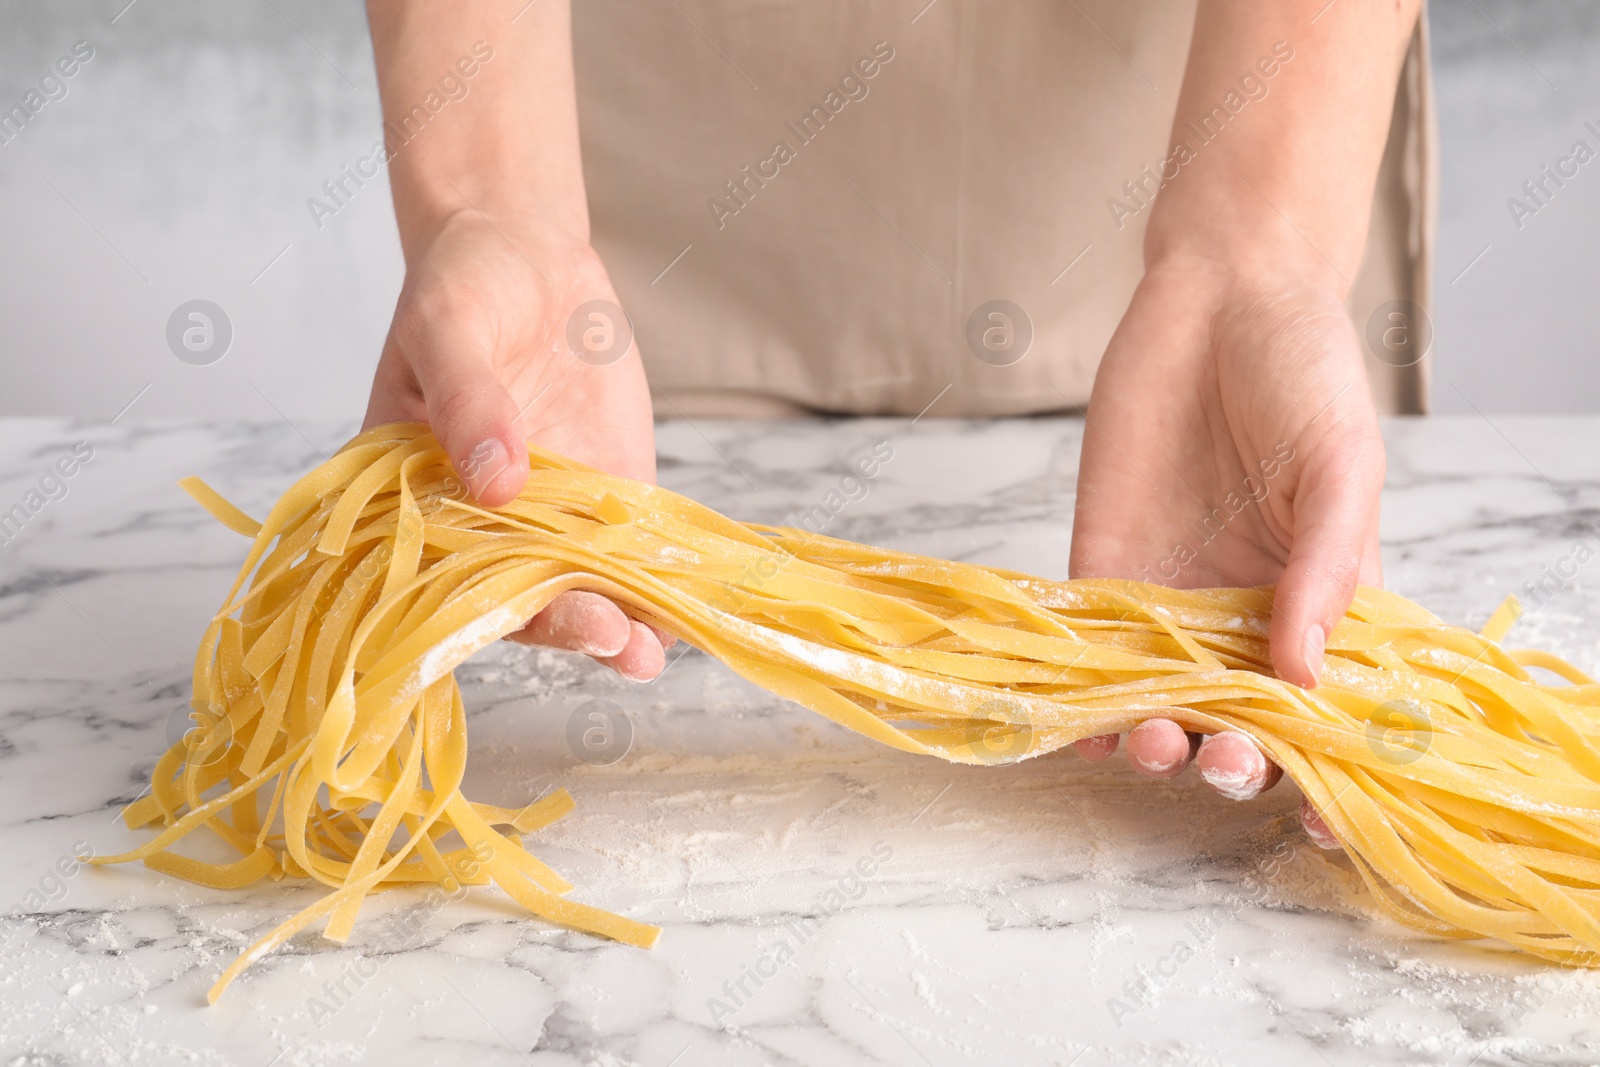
x: 426, y: 205
x: 1227, y: 268
x: 1219, y: 295
x: 533, y: 231
x: 1245, y: 237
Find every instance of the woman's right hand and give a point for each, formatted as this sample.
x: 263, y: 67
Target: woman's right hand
x: 478, y: 349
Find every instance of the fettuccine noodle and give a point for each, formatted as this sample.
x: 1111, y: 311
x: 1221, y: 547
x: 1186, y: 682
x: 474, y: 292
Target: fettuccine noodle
x: 1465, y: 791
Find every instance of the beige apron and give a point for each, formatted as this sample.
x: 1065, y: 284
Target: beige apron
x: 804, y: 204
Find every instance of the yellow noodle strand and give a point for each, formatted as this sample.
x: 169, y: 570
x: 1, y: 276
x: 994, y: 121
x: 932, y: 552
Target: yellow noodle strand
x: 331, y: 737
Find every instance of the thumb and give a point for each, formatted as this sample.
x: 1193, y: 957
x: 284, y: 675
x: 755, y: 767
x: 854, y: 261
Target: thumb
x: 1335, y: 534
x: 474, y: 418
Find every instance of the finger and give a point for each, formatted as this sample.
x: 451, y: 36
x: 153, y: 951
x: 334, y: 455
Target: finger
x: 579, y: 621
x: 1316, y: 829
x: 469, y: 409
x: 1094, y: 749
x: 1334, y: 512
x: 643, y: 659
x: 666, y: 639
x: 395, y: 396
x: 1371, y: 556
x: 1235, y: 766
x: 1159, y: 748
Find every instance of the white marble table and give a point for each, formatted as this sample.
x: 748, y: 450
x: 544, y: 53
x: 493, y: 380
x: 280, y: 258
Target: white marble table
x: 1047, y: 913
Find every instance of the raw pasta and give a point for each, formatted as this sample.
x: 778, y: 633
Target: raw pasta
x: 1465, y: 790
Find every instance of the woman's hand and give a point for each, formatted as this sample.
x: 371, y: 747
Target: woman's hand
x: 1231, y: 441
x: 478, y: 349
x: 494, y: 222
x: 1236, y: 359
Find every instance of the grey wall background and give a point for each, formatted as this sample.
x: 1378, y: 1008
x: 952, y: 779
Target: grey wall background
x: 179, y: 162
x: 1520, y: 330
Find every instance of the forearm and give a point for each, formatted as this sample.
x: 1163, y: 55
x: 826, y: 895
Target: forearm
x: 480, y: 113
x: 1285, y: 183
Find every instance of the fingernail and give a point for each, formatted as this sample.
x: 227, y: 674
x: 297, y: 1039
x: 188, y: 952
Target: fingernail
x: 1240, y: 782
x: 1155, y: 767
x: 1315, y: 828
x: 1312, y: 647
x: 487, y: 459
x: 590, y: 647
x: 1098, y: 747
x: 666, y: 639
x: 640, y: 672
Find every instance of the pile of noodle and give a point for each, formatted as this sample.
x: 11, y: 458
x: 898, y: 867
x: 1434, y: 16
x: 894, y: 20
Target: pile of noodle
x: 1465, y: 790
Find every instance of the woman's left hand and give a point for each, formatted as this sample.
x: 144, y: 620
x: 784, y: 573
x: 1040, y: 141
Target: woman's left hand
x: 1232, y: 441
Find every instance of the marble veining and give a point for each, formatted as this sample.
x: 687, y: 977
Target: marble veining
x: 825, y: 900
